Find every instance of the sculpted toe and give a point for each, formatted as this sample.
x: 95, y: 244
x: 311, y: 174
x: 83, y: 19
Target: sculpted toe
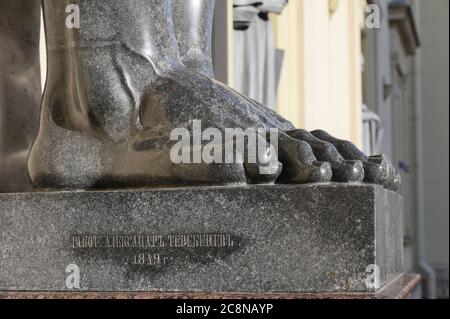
x: 377, y: 169
x: 300, y: 166
x: 392, y: 179
x: 348, y: 172
x: 321, y: 172
x: 266, y: 169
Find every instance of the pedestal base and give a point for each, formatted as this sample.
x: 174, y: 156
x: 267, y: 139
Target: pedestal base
x: 252, y: 239
x: 401, y: 288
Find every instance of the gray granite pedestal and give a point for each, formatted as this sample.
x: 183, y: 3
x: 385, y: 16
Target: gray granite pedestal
x: 245, y: 239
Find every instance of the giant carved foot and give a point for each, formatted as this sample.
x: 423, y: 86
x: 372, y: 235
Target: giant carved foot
x: 319, y: 149
x: 199, y: 97
x: 348, y: 164
x: 82, y: 151
x: 117, y: 91
x: 76, y: 157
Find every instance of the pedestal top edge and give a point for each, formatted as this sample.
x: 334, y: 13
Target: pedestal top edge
x: 319, y: 187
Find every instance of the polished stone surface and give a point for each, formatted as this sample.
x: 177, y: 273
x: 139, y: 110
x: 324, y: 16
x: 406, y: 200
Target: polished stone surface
x: 251, y: 239
x: 133, y: 73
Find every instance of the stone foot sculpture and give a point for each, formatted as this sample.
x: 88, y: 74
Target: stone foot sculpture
x: 193, y: 25
x: 117, y: 89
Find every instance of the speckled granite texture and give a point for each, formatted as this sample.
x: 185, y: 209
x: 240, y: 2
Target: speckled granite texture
x: 251, y: 239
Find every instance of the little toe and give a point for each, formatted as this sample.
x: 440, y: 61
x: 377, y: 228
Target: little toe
x: 391, y: 178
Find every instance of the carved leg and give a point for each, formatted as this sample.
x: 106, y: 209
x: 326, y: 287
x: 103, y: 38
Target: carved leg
x: 20, y: 89
x: 193, y: 27
x: 193, y: 21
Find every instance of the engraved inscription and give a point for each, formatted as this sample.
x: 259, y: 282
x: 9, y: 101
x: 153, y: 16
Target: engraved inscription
x: 153, y: 241
x: 150, y: 260
x: 154, y: 250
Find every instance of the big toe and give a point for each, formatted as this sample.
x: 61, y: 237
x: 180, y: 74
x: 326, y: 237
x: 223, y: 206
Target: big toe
x: 265, y: 167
